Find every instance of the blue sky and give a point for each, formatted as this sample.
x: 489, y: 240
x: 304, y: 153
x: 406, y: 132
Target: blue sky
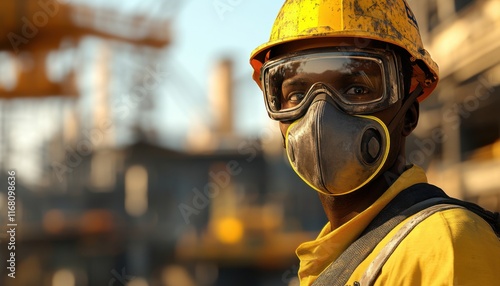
x: 204, y: 32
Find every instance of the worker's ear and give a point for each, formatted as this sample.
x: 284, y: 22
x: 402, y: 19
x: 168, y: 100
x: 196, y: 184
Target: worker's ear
x: 411, y: 118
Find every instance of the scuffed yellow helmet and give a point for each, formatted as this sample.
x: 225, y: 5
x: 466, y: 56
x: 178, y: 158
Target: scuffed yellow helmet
x: 389, y: 21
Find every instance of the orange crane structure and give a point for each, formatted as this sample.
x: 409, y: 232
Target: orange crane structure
x: 31, y: 29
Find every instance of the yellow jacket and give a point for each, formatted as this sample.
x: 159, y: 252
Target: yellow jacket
x: 452, y: 247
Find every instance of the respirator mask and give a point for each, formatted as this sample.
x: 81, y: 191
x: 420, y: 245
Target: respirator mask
x: 333, y: 144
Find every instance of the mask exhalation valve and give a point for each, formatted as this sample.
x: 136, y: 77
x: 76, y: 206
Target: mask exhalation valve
x: 370, y: 146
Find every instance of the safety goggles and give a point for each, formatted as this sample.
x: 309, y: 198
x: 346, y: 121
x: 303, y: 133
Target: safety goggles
x: 360, y: 82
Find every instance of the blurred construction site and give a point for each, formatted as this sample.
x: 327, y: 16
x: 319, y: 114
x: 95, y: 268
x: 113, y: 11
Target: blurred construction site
x: 101, y: 198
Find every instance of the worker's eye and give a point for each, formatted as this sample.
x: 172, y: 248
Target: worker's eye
x: 356, y: 90
x: 292, y: 99
x: 296, y: 97
x: 357, y: 93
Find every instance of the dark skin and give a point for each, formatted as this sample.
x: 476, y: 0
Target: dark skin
x: 340, y: 209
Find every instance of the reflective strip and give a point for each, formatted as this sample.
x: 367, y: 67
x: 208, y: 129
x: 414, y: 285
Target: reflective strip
x: 373, y: 270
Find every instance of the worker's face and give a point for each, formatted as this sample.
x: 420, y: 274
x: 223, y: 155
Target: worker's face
x: 334, y: 106
x: 386, y: 115
x: 363, y: 80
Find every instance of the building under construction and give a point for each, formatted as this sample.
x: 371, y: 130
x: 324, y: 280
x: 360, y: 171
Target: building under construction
x: 458, y: 137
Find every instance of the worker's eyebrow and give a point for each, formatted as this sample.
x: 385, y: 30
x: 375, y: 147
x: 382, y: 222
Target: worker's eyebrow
x: 295, y: 81
x: 366, y: 78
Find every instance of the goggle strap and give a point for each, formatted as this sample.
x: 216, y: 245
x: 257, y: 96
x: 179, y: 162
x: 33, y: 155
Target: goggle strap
x: 406, y: 105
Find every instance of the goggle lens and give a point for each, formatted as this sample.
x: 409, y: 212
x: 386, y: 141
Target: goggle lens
x: 358, y: 81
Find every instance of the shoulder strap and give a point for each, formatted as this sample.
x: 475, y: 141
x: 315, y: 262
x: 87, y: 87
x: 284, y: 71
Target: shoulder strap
x: 375, y: 266
x: 431, y: 206
x: 492, y: 218
x: 407, y: 203
x: 339, y: 271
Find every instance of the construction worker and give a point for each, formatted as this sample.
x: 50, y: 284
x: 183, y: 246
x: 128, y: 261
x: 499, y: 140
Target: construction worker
x: 344, y: 78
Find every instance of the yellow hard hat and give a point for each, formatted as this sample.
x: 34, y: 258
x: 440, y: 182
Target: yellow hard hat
x: 391, y: 22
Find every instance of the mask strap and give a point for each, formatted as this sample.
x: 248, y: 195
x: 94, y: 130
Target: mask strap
x: 406, y: 105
